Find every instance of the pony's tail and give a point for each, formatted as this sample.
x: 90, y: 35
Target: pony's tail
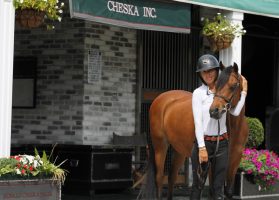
x: 148, y: 189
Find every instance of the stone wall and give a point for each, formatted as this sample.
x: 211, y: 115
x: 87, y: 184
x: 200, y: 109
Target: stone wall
x: 68, y: 108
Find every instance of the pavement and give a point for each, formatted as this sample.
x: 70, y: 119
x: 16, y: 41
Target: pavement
x: 179, y: 194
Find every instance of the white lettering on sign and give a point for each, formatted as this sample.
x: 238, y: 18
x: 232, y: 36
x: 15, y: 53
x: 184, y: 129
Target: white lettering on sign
x: 149, y: 12
x: 127, y: 9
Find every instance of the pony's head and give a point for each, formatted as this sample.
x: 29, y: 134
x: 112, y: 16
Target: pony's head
x: 228, y: 88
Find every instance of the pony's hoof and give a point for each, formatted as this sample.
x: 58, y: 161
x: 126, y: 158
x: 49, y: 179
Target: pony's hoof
x: 228, y: 195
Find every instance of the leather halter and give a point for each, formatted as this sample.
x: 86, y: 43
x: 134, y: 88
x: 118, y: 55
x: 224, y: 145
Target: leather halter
x: 229, y: 100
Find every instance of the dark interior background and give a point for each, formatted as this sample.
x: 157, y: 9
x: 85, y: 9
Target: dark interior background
x: 259, y: 65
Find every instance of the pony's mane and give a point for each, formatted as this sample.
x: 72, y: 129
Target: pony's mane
x: 224, y: 77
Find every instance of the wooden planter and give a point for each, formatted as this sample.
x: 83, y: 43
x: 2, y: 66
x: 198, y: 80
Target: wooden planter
x: 29, y: 18
x: 244, y: 189
x: 35, y: 189
x: 221, y: 42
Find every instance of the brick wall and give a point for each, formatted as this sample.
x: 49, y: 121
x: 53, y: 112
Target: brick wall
x: 68, y: 108
x: 110, y: 103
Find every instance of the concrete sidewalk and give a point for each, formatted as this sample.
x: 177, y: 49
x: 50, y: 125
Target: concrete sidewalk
x: 179, y: 194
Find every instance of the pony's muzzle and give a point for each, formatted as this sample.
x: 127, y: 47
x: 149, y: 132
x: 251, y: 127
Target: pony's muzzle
x: 215, y: 113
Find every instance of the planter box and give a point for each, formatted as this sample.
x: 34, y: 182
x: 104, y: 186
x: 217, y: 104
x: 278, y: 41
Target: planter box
x: 36, y: 189
x: 243, y: 189
x: 96, y: 168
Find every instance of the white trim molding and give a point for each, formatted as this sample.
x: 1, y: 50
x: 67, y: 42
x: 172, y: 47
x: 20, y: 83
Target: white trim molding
x: 233, y: 54
x: 7, y: 21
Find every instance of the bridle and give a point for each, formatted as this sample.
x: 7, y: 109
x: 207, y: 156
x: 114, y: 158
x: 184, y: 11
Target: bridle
x: 228, y: 101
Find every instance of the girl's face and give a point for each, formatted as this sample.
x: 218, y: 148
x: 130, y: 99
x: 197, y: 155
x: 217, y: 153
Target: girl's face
x: 209, y: 76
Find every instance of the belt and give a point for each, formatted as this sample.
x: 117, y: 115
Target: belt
x: 214, y: 138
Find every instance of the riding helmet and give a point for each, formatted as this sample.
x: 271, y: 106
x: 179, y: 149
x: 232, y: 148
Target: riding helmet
x: 207, y: 62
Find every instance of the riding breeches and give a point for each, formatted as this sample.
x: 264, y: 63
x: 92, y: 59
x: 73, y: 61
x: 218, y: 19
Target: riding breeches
x: 218, y: 165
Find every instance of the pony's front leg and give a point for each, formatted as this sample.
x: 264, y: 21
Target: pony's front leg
x: 234, y: 160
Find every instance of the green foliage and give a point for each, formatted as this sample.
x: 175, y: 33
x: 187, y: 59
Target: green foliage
x: 220, y: 26
x: 7, y: 165
x: 256, y: 132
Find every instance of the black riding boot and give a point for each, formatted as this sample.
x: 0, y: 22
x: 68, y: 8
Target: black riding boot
x: 195, y: 193
x: 218, y: 197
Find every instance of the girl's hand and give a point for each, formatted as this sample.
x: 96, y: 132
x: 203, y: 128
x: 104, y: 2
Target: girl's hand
x: 203, y: 156
x: 244, y: 84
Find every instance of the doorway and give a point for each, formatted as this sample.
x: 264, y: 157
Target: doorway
x: 257, y: 67
x: 260, y: 67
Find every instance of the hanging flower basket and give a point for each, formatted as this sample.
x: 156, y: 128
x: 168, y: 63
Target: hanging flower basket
x: 220, y: 42
x: 29, y: 18
x: 221, y: 32
x: 32, y: 13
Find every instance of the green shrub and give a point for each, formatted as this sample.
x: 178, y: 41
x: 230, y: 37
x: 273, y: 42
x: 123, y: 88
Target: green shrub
x: 256, y: 132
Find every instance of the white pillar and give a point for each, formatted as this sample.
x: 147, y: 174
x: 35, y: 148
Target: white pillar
x: 233, y: 54
x: 7, y: 21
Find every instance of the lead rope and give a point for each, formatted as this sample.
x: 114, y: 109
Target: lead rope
x: 218, y: 140
x: 201, y: 173
x: 215, y: 155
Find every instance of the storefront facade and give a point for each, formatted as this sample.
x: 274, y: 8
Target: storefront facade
x: 90, y: 75
x: 88, y: 83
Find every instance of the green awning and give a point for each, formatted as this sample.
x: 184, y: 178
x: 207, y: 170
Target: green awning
x: 268, y: 8
x: 138, y: 14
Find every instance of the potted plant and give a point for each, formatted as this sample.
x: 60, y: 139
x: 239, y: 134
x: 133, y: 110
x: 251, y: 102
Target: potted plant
x: 256, y: 132
x: 23, y: 176
x: 220, y: 32
x: 263, y: 165
x: 258, y: 174
x: 32, y: 13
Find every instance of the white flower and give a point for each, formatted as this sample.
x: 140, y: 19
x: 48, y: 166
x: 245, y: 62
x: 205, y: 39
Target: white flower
x: 59, y: 19
x: 18, y: 171
x: 29, y: 158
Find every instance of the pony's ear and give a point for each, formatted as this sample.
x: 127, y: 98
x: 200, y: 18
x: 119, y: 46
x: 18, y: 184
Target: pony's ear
x: 221, y: 66
x: 235, y: 66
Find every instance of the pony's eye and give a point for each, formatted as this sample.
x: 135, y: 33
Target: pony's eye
x: 234, y: 86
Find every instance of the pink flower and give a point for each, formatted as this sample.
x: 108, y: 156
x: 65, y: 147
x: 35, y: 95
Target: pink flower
x: 263, y: 164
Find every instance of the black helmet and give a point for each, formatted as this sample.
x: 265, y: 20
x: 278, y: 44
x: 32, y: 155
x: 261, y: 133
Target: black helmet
x: 207, y: 62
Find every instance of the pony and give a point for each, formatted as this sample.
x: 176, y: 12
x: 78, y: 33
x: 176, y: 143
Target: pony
x: 172, y: 123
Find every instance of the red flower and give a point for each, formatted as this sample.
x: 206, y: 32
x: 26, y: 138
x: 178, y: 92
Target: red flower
x: 25, y: 166
x: 23, y: 171
x: 17, y: 158
x: 31, y: 168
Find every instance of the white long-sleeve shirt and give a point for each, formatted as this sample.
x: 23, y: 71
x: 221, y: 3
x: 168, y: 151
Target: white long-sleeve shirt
x: 204, y: 124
